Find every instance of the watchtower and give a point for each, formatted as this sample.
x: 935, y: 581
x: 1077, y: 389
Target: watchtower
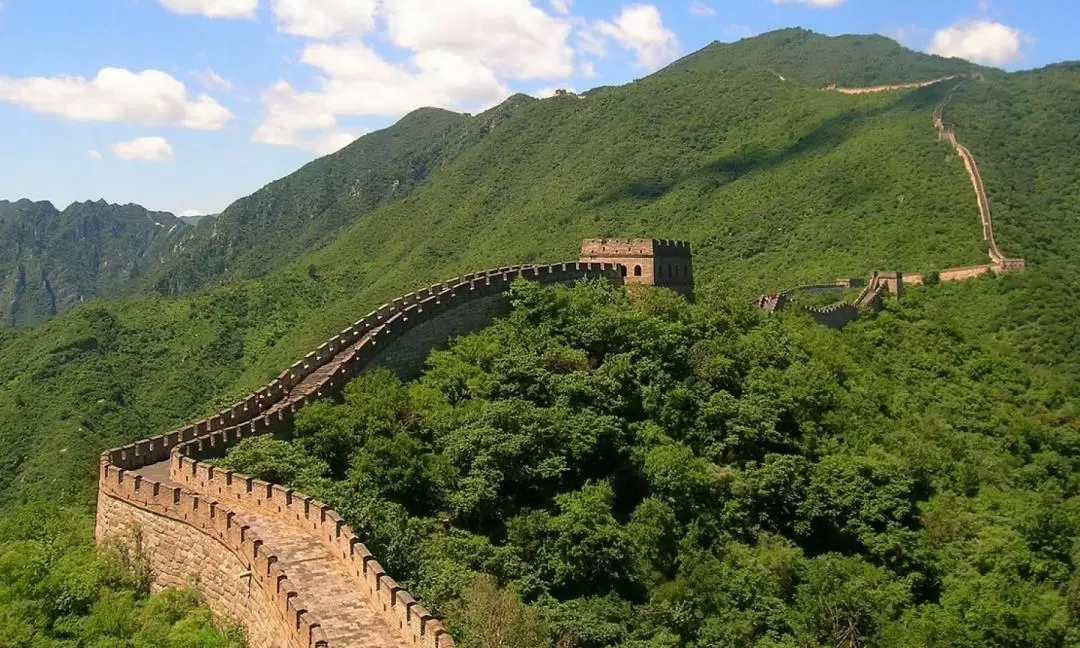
x: 650, y: 262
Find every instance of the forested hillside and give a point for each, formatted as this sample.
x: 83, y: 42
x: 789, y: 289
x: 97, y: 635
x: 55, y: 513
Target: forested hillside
x: 775, y: 183
x: 642, y: 472
x: 51, y: 260
x: 710, y: 119
x: 307, y: 209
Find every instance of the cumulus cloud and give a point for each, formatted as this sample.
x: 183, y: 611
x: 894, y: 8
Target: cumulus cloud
x: 94, y: 154
x: 325, y: 18
x: 302, y: 120
x: 640, y: 29
x: 153, y: 149
x: 813, y: 3
x: 699, y: 8
x: 213, y: 81
x: 149, y: 97
x: 445, y: 65
x: 512, y: 37
x: 980, y: 41
x: 213, y: 8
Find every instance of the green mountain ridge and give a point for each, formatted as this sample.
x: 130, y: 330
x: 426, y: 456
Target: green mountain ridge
x: 775, y: 183
x: 853, y: 60
x: 307, y: 209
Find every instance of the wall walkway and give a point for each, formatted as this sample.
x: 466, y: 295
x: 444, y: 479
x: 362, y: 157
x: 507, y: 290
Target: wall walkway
x: 284, y: 565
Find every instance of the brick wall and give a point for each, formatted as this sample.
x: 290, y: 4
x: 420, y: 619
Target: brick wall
x: 191, y: 516
x: 189, y: 541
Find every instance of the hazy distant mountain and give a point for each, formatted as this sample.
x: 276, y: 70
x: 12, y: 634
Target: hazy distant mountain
x: 51, y: 260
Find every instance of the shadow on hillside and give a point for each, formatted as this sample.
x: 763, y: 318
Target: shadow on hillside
x: 826, y: 136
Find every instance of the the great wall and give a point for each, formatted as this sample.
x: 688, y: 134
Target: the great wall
x: 287, y: 567
x: 841, y: 313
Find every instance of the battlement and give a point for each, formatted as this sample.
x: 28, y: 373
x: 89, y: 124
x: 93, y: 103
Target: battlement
x: 165, y: 485
x: 650, y: 262
x: 633, y: 248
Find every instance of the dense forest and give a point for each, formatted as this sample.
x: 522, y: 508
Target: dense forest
x: 643, y: 472
x: 720, y: 477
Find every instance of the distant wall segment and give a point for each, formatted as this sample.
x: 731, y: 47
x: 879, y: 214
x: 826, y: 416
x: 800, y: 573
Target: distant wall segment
x: 206, y: 526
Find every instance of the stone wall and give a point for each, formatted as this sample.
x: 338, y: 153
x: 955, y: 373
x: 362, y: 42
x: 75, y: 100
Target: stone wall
x: 164, y: 486
x: 835, y: 316
x: 888, y: 88
x: 407, y: 355
x: 189, y: 542
x: 960, y: 274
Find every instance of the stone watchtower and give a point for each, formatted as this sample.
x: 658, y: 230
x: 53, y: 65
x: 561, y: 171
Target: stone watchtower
x: 650, y: 262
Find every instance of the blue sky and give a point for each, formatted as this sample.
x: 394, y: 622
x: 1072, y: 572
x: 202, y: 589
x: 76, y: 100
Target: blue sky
x: 186, y: 105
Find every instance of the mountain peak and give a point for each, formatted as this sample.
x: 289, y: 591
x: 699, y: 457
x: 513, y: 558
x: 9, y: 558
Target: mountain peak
x: 805, y: 56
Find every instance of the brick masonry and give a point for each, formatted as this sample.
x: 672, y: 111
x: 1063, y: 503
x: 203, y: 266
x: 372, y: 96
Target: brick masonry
x: 284, y: 565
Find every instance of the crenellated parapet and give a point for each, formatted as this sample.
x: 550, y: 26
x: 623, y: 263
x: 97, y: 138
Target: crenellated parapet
x: 186, y: 506
x: 649, y: 262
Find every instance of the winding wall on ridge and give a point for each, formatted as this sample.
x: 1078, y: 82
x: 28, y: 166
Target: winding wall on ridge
x: 284, y: 565
x: 840, y: 314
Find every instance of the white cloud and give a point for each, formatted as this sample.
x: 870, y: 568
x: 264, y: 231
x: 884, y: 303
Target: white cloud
x: 447, y: 64
x: 639, y: 28
x: 561, y: 6
x: 325, y: 18
x: 213, y: 81
x: 588, y: 69
x: 153, y: 149
x: 699, y: 8
x: 187, y: 213
x: 980, y: 41
x: 813, y: 3
x: 302, y: 120
x: 359, y: 83
x: 512, y: 37
x: 213, y: 8
x: 149, y: 97
x: 94, y: 154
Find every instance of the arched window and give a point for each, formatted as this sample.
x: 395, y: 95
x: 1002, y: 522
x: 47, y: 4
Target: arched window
x: 622, y: 270
x: 637, y: 271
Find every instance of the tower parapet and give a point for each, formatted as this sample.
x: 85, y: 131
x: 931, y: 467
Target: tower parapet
x: 650, y: 262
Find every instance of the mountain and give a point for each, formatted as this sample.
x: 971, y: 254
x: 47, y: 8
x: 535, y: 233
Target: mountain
x: 775, y: 182
x: 852, y: 60
x: 307, y: 209
x: 194, y: 220
x: 737, y: 148
x: 51, y: 260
